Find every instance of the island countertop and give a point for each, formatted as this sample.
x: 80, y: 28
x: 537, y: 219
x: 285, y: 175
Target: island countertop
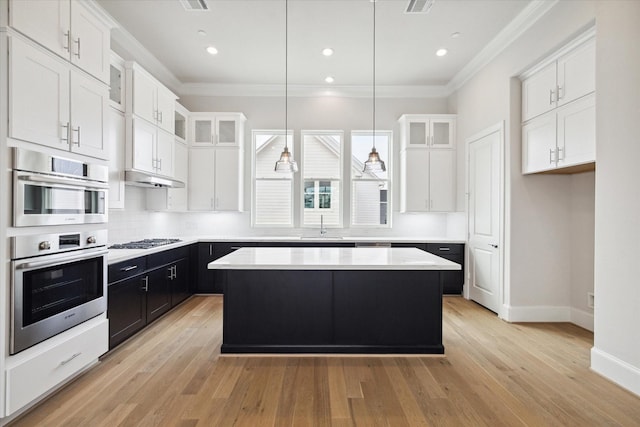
x: 376, y: 258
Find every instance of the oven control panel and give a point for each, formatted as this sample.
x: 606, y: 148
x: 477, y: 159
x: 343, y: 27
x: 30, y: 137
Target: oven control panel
x: 44, y: 244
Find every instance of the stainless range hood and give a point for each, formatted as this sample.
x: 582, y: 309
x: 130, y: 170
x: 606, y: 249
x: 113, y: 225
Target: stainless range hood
x: 148, y: 180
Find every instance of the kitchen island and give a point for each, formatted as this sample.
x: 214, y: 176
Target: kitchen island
x: 332, y: 300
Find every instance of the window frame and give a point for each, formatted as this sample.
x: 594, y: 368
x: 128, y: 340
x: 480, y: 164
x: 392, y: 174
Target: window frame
x: 290, y: 143
x: 389, y: 180
x: 341, y: 196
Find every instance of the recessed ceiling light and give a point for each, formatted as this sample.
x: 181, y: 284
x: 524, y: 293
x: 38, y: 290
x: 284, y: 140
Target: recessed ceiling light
x: 202, y: 33
x: 327, y: 51
x: 212, y: 50
x: 329, y: 79
x: 441, y: 52
x: 455, y: 35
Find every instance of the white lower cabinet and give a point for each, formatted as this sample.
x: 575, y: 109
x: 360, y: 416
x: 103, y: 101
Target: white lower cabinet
x: 215, y: 179
x: 36, y: 375
x: 562, y: 138
x: 427, y: 180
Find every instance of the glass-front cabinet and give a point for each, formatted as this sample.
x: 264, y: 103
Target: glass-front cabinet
x: 221, y: 129
x: 427, y: 131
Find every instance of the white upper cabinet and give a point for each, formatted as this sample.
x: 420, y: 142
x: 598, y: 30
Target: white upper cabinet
x: 219, y: 129
x: 116, y: 126
x: 558, y: 111
x: 151, y: 100
x: 54, y: 105
x: 562, y: 80
x: 152, y: 149
x: 427, y: 163
x: 67, y: 28
x: 427, y: 131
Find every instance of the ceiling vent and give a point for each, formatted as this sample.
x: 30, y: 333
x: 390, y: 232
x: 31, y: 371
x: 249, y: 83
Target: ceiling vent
x: 195, y: 5
x: 419, y: 6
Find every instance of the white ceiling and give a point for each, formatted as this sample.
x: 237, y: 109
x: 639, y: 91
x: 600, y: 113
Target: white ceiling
x: 250, y: 38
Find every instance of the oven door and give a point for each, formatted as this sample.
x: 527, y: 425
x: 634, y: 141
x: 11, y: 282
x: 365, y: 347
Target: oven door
x: 50, y: 200
x: 53, y: 293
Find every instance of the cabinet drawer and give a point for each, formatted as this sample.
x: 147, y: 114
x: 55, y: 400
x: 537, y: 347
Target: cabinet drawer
x: 445, y: 248
x: 37, y: 375
x: 165, y: 257
x: 129, y: 268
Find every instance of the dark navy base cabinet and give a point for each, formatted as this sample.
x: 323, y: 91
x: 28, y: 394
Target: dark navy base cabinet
x: 303, y: 311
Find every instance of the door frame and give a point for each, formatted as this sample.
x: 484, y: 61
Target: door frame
x: 502, y: 292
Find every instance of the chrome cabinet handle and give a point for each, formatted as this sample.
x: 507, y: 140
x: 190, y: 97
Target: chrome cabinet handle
x: 145, y: 281
x: 444, y: 249
x: 493, y: 246
x: 551, y: 154
x: 64, y: 362
x: 551, y: 93
x: 129, y: 268
x: 561, y: 150
x: 558, y: 89
x: 160, y: 115
x: 65, y: 133
x: 78, y: 132
x: 67, y: 35
x: 78, y: 43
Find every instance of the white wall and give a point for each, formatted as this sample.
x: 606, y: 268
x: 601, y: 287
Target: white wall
x: 616, y: 352
x: 538, y: 207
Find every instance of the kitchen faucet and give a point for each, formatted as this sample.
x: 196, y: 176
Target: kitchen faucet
x: 323, y: 230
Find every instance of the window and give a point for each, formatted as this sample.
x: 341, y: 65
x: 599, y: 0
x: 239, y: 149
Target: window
x: 272, y: 192
x: 370, y: 191
x: 321, y: 174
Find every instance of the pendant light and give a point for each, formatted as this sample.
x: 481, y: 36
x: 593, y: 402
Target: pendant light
x: 286, y: 164
x: 374, y: 163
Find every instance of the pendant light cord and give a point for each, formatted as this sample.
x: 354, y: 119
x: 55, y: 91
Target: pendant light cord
x: 286, y: 72
x: 374, y: 73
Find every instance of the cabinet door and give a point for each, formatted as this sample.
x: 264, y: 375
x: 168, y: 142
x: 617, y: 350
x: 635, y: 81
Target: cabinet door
x: 164, y: 153
x: 177, y: 197
x: 577, y: 73
x: 577, y: 132
x: 442, y: 133
x: 144, y: 96
x: 201, y: 179
x: 126, y: 309
x: 38, y: 96
x: 442, y: 181
x: 166, y: 110
x: 202, y: 130
x: 144, y: 142
x: 90, y: 42
x: 539, y: 92
x: 414, y: 190
x: 116, y: 144
x: 228, y: 192
x: 180, y: 282
x: 158, y: 292
x: 46, y: 22
x: 206, y: 278
x: 539, y: 144
x: 418, y: 132
x: 89, y: 103
x: 227, y: 130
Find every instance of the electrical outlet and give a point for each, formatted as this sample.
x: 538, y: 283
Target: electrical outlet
x: 590, y: 299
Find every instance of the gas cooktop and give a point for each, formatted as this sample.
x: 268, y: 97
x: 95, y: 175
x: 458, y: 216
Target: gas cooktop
x: 144, y: 244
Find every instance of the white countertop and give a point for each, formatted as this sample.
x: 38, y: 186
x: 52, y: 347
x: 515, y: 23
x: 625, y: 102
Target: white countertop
x: 261, y: 258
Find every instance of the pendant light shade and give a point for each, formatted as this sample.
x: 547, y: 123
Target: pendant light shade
x: 374, y: 163
x: 286, y: 164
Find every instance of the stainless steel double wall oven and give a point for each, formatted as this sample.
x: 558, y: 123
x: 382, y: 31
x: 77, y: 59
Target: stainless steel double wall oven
x: 59, y: 277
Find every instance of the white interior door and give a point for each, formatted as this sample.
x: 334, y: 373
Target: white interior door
x: 485, y: 175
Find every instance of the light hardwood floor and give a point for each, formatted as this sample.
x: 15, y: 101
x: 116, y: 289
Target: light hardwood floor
x: 494, y: 374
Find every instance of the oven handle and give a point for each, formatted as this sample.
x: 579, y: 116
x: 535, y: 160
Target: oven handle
x: 61, y: 180
x: 61, y: 257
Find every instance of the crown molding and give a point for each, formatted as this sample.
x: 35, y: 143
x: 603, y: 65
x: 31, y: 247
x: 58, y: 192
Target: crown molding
x: 102, y: 14
x: 521, y: 23
x: 359, y: 91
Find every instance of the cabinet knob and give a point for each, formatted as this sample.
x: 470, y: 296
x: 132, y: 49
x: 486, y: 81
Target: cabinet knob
x: 91, y: 239
x: 43, y: 246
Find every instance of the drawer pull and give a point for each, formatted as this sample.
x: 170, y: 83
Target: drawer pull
x: 129, y: 268
x: 64, y: 362
x: 444, y: 249
x: 235, y: 248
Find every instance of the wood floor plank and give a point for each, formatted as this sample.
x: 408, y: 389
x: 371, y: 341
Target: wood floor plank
x: 493, y: 373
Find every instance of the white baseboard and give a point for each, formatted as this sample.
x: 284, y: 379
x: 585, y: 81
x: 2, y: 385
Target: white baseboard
x: 537, y: 314
x: 584, y: 319
x: 616, y: 370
